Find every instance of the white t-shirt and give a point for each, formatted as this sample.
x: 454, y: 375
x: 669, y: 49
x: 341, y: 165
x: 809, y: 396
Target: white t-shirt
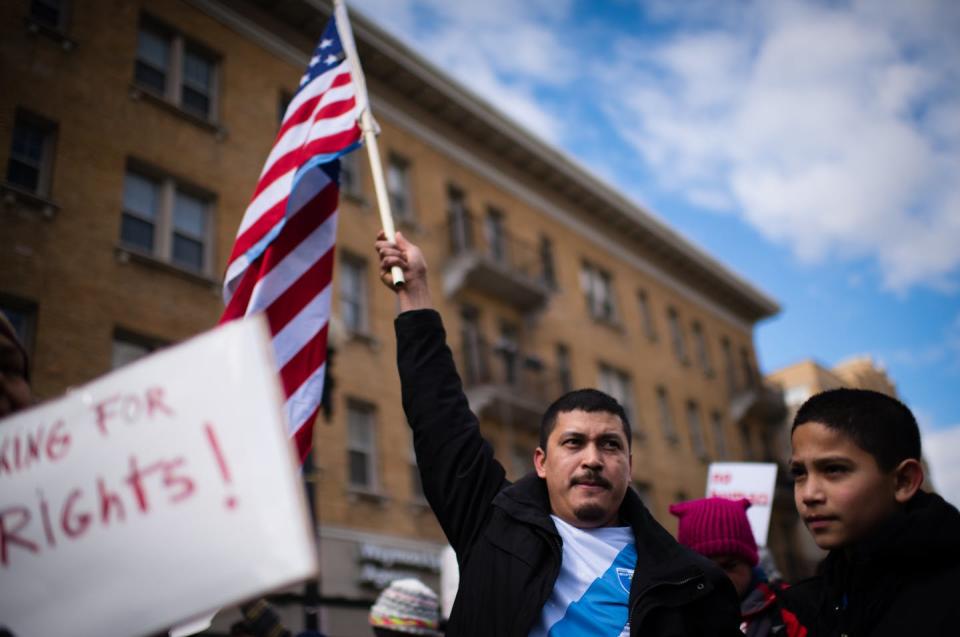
x: 592, y: 592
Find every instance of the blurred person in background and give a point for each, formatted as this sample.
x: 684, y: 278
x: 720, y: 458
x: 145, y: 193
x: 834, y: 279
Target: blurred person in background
x: 718, y: 528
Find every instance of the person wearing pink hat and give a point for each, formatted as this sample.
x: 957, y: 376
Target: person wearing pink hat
x: 718, y: 528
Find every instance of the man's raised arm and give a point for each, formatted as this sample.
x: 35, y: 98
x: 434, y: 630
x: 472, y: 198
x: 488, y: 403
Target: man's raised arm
x: 459, y: 473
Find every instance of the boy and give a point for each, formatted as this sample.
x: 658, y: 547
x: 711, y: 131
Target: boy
x: 894, y: 558
x: 718, y: 529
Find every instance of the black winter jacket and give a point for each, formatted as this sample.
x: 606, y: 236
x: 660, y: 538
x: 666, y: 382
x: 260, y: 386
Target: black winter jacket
x: 901, y: 581
x: 507, y: 546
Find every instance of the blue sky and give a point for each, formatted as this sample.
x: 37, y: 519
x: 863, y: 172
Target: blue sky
x: 813, y: 147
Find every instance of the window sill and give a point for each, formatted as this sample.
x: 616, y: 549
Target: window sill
x: 12, y: 195
x: 364, y: 338
x: 138, y: 93
x: 610, y: 323
x: 359, y: 494
x: 126, y: 254
x: 58, y: 35
x: 419, y: 505
x: 356, y: 199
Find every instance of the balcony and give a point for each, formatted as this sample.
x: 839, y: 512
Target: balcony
x: 485, y: 258
x: 507, y: 385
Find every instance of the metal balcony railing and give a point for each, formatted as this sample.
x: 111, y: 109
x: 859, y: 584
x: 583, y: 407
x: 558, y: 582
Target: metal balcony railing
x: 481, y: 254
x: 504, y: 382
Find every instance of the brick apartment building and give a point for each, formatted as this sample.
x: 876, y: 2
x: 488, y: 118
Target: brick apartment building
x: 131, y: 136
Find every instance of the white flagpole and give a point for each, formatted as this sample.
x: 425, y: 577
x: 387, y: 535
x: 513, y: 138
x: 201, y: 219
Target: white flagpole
x: 367, y: 127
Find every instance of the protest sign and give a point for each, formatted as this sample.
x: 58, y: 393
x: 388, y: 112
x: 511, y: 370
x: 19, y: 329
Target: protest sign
x: 154, y: 494
x: 754, y: 481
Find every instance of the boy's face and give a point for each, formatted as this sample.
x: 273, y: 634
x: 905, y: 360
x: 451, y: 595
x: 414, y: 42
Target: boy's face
x: 840, y: 491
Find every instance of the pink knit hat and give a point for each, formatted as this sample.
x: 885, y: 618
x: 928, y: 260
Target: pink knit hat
x: 716, y: 526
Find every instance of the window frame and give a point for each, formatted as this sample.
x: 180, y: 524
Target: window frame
x: 621, y: 389
x: 164, y: 224
x: 668, y: 423
x: 719, y: 434
x: 369, y: 413
x: 678, y: 338
x: 593, y: 280
x: 356, y: 294
x: 646, y: 316
x: 149, y: 344
x: 698, y: 440
x: 702, y: 347
x: 175, y: 80
x: 405, y: 212
x: 48, y: 130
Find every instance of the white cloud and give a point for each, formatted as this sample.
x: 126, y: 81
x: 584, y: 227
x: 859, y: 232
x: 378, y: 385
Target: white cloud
x: 943, y: 353
x: 941, y: 448
x: 501, y: 50
x: 832, y: 130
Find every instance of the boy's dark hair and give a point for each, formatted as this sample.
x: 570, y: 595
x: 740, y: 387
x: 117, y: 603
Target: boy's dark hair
x: 588, y: 400
x: 880, y: 425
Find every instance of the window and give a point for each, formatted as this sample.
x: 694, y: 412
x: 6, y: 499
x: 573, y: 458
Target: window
x: 361, y: 445
x: 458, y: 221
x: 30, y: 167
x: 677, y: 336
x: 351, y: 175
x: 728, y: 365
x: 646, y: 316
x: 495, y: 235
x: 645, y: 492
x: 598, y: 292
x: 129, y: 347
x: 521, y: 461
x: 703, y: 354
x: 508, y: 351
x: 719, y: 437
x: 617, y: 383
x: 695, y: 425
x: 749, y: 378
x: 49, y: 13
x: 416, y: 482
x: 564, y: 372
x: 23, y: 316
x: 353, y: 294
x: 473, y: 349
x: 180, y: 71
x: 283, y: 102
x: 666, y: 415
x: 548, y: 273
x: 398, y: 188
x: 167, y: 220
x: 747, y: 440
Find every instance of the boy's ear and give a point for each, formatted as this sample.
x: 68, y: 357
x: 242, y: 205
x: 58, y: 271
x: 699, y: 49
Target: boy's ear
x: 909, y: 477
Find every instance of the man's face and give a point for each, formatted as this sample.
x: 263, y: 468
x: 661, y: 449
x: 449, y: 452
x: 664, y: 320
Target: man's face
x: 840, y: 492
x: 587, y: 468
x: 14, y: 390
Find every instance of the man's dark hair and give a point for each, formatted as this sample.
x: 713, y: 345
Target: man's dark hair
x: 880, y: 425
x: 588, y: 400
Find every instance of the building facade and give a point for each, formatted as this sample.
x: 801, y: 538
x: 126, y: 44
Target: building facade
x: 132, y: 134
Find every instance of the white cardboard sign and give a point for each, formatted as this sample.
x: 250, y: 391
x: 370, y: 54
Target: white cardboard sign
x: 154, y: 494
x: 754, y: 481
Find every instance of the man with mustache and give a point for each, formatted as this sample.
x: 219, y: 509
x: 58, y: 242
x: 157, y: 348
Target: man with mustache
x: 568, y: 549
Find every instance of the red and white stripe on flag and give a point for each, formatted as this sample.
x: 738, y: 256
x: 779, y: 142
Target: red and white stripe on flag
x: 282, y: 259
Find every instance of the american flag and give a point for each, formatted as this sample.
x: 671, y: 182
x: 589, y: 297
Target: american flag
x: 282, y: 260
